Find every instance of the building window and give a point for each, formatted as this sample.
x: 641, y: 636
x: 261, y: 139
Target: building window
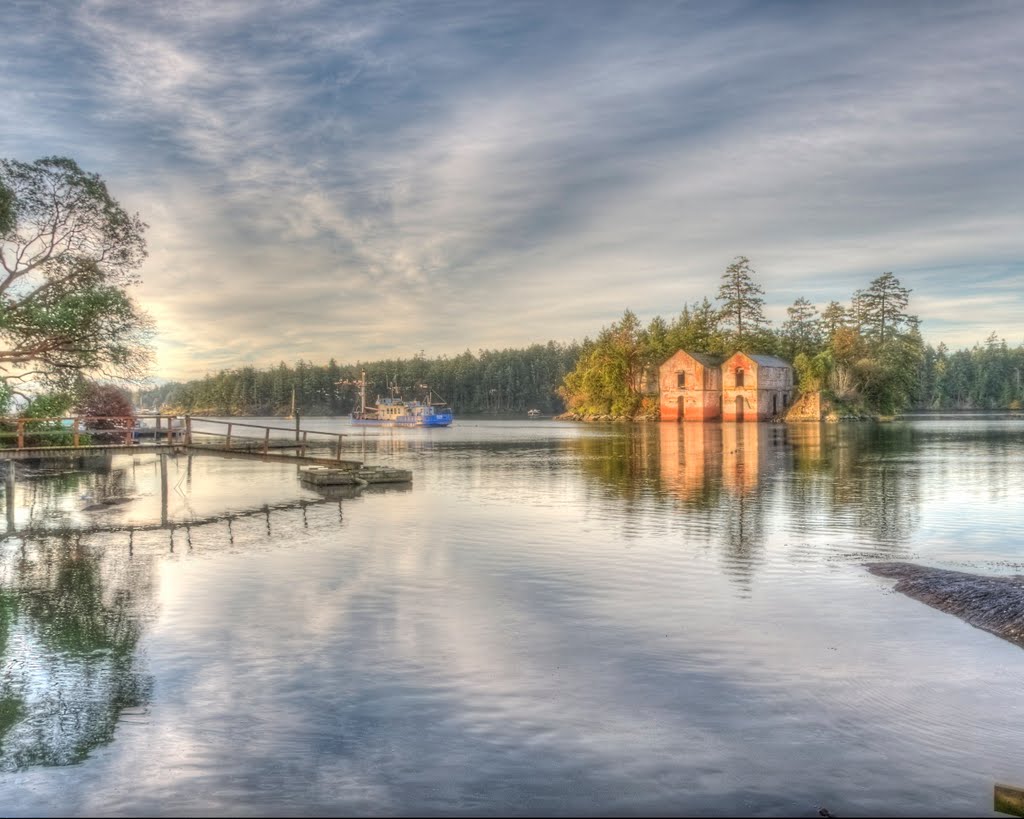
x: 739, y: 378
x: 681, y: 381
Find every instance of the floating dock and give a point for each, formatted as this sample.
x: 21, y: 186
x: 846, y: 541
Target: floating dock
x: 334, y: 476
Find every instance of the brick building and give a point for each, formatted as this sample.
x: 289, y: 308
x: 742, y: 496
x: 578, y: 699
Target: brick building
x: 698, y: 387
x: 755, y: 387
x: 690, y: 385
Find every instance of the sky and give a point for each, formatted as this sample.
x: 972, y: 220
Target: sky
x: 371, y: 180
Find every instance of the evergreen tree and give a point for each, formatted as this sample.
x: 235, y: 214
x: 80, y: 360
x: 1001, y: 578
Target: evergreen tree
x: 881, y: 308
x: 742, y: 305
x: 801, y: 332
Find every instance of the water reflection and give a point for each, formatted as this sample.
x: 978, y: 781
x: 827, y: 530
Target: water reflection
x: 742, y: 484
x: 78, y: 567
x: 70, y: 621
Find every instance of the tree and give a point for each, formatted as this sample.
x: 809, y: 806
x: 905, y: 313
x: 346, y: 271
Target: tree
x: 68, y: 251
x: 608, y: 377
x: 881, y: 309
x: 109, y: 403
x: 802, y: 330
x: 834, y: 317
x: 742, y: 308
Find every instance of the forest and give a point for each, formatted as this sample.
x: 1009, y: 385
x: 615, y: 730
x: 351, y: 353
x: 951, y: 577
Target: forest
x: 867, y: 355
x: 491, y: 381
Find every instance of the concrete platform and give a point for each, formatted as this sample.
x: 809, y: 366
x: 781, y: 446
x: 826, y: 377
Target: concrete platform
x: 333, y: 476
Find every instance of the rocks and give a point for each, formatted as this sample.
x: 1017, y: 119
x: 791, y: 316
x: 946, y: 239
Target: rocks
x: 992, y: 603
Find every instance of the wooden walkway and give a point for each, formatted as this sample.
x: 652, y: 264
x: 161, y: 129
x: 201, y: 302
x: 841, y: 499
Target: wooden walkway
x: 177, y: 438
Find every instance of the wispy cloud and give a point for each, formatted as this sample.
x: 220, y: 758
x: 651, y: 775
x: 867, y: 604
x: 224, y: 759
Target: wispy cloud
x: 361, y: 180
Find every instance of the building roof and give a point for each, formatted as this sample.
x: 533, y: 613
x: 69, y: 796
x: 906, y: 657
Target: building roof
x: 706, y: 359
x: 768, y: 361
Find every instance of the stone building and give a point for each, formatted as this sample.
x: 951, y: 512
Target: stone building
x: 699, y: 387
x: 690, y: 385
x: 755, y: 387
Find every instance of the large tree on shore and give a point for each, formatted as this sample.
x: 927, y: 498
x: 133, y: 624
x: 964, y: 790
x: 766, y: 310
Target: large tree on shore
x: 742, y: 306
x: 68, y: 251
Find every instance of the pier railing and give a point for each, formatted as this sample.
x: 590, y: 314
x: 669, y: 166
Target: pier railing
x: 57, y: 430
x: 262, y: 442
x: 77, y: 431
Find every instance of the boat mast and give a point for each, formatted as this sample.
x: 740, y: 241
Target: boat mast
x: 362, y: 392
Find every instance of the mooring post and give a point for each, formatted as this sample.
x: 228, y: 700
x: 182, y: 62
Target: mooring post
x: 188, y: 432
x: 227, y: 443
x: 170, y: 430
x: 21, y: 433
x: 74, y: 434
x: 297, y: 416
x: 339, y: 449
x: 266, y: 440
x: 9, y: 491
x: 163, y: 489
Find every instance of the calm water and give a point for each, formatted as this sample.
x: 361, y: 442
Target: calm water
x: 553, y: 619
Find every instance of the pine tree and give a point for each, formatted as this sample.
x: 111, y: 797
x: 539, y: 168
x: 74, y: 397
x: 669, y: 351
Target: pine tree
x: 742, y: 305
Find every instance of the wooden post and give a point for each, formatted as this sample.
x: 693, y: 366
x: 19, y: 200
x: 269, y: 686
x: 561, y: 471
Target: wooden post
x: 305, y: 437
x: 227, y: 444
x: 163, y: 489
x: 188, y: 430
x: 266, y: 440
x: 338, y: 457
x: 21, y: 433
x: 297, y: 427
x: 128, y: 435
x: 170, y: 431
x: 9, y: 493
x: 74, y: 433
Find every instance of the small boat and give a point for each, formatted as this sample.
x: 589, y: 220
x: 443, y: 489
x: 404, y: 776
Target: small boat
x: 534, y: 413
x: 396, y: 412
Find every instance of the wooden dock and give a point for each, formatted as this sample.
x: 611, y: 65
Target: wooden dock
x: 254, y: 442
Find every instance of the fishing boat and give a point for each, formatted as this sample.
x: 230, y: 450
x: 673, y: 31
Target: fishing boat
x: 395, y: 412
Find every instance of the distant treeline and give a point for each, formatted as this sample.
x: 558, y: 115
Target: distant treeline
x: 989, y: 376
x: 492, y: 381
x: 867, y: 355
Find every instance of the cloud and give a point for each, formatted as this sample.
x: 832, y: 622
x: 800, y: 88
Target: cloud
x: 357, y: 180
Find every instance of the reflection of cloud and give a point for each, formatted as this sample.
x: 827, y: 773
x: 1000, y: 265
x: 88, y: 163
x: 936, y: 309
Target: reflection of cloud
x: 372, y: 179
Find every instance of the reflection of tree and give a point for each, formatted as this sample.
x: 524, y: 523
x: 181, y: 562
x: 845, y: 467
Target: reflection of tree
x: 70, y: 669
x: 625, y: 460
x: 857, y: 475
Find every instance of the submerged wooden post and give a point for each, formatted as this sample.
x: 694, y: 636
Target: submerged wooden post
x: 163, y: 489
x: 9, y: 492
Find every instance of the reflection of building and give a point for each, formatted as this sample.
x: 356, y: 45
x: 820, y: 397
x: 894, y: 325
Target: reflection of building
x: 697, y: 387
x: 735, y: 457
x: 691, y: 387
x: 743, y: 456
x: 755, y: 387
x: 691, y: 457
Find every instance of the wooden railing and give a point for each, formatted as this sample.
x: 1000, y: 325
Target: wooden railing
x: 123, y: 427
x: 113, y: 426
x: 301, y: 435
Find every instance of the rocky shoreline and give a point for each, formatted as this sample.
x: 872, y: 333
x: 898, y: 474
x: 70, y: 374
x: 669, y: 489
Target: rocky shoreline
x: 992, y: 603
